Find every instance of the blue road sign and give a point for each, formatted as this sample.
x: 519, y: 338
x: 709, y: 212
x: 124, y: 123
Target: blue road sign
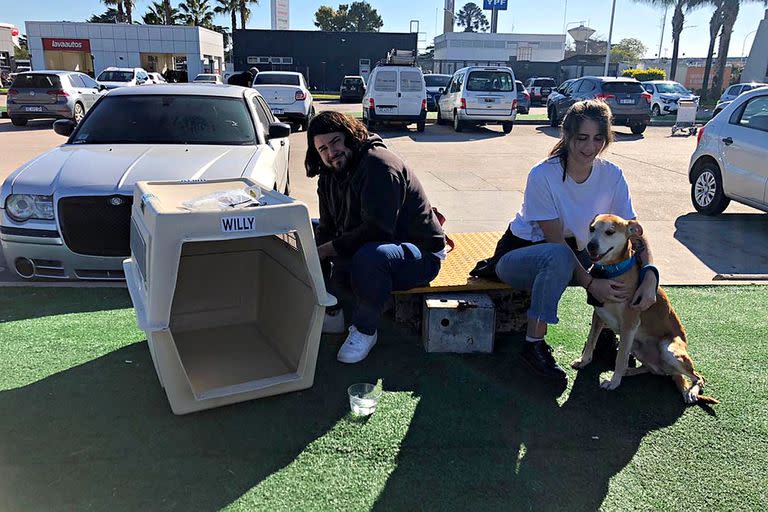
x: 499, y: 5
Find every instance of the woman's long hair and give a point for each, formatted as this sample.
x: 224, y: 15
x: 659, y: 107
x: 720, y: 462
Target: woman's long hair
x: 354, y: 131
x: 594, y: 110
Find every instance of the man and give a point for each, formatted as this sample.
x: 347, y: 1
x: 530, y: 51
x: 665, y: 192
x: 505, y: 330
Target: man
x: 377, y: 229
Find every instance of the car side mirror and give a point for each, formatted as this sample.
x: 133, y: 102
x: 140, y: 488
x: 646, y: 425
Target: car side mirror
x: 64, y: 127
x: 279, y: 130
x: 102, y: 87
x: 441, y: 90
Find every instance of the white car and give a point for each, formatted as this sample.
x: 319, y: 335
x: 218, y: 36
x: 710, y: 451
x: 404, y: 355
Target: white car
x: 730, y: 156
x: 395, y: 94
x: 733, y: 92
x: 112, y: 77
x: 479, y: 95
x: 66, y: 214
x: 157, y: 78
x: 287, y: 94
x: 665, y: 94
x: 208, y: 78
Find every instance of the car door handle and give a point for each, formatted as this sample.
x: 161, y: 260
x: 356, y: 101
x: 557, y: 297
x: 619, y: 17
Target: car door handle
x: 399, y: 95
x: 728, y: 141
x: 282, y: 143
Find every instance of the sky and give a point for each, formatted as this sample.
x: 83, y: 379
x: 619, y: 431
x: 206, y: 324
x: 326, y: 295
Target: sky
x: 632, y: 19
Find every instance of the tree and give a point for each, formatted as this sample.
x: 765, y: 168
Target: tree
x: 22, y: 51
x: 245, y: 12
x: 228, y: 7
x: 120, y: 12
x: 426, y: 60
x: 330, y: 20
x: 108, y: 16
x: 628, y: 50
x: 730, y: 13
x: 715, y: 25
x: 472, y: 18
x: 158, y: 15
x: 196, y: 13
x: 363, y: 18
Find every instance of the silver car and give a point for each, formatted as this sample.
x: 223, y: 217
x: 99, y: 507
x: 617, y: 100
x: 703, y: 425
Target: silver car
x: 51, y: 95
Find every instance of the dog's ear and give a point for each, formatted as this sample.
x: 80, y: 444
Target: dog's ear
x: 592, y: 222
x: 634, y: 228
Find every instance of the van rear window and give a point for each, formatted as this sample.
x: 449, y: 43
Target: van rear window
x: 544, y: 82
x: 386, y: 81
x: 490, y: 81
x: 37, y: 82
x: 623, y: 87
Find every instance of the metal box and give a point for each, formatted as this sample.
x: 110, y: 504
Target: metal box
x: 458, y: 322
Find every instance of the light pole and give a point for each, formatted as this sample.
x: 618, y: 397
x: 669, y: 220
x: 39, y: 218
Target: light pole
x: 610, y: 34
x: 744, y: 45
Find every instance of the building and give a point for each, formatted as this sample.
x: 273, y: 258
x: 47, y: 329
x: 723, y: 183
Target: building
x: 690, y: 70
x: 91, y: 47
x: 577, y: 66
x: 756, y: 68
x: 280, y: 15
x: 8, y: 37
x: 527, y: 54
x: 323, y: 57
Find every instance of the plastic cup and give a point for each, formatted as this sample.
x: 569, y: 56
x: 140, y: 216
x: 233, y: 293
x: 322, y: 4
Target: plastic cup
x: 363, y: 398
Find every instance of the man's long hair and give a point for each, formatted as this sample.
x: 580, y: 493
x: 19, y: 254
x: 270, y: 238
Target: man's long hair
x: 355, y: 134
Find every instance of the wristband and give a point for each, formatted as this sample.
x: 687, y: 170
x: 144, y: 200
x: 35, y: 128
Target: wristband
x: 644, y: 270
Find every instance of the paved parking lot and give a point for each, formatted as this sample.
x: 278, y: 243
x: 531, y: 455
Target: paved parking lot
x: 476, y: 178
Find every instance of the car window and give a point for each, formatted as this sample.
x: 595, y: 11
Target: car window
x: 115, y: 76
x: 755, y: 114
x: 411, y: 81
x: 732, y: 90
x: 276, y: 79
x: 436, y: 80
x: 586, y: 86
x: 36, y: 82
x: 458, y: 83
x: 623, y: 87
x: 167, y: 119
x: 263, y: 114
x: 76, y: 81
x: 672, y: 89
x: 386, y: 81
x: 648, y: 88
x: 544, y: 82
x: 89, y: 82
x: 490, y: 81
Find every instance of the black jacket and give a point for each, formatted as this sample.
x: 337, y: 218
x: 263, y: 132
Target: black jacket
x: 378, y: 199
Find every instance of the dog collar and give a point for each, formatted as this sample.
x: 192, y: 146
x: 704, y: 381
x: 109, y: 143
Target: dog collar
x: 615, y: 270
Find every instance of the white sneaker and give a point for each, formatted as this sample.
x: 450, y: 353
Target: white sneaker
x: 333, y: 323
x: 357, y: 346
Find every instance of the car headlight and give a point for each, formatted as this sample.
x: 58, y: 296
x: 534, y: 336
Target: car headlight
x: 667, y: 100
x: 21, y: 207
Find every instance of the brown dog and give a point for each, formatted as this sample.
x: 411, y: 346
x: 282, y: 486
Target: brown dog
x: 656, y: 336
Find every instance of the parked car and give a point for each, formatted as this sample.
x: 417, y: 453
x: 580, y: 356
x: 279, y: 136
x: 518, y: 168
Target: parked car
x: 156, y: 78
x: 540, y: 89
x: 208, y: 78
x: 352, y: 88
x: 66, y: 214
x: 729, y: 160
x: 433, y: 83
x: 523, y: 98
x: 51, y: 95
x: 665, y: 94
x: 396, y: 94
x: 113, y: 77
x: 630, y: 104
x: 559, y: 91
x: 733, y: 92
x: 287, y: 94
x: 479, y: 95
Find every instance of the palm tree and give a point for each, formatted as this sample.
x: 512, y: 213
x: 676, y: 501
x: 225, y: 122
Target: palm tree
x: 168, y: 13
x: 730, y: 13
x: 196, y: 13
x: 678, y: 18
x: 119, y: 4
x: 715, y: 24
x: 157, y: 15
x: 128, y: 4
x: 228, y: 7
x: 245, y: 12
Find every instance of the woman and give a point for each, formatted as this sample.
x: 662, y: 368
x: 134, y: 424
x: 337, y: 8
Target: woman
x: 562, y: 196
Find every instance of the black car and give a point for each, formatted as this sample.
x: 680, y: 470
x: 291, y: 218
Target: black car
x: 629, y: 102
x: 352, y: 89
x: 434, y: 83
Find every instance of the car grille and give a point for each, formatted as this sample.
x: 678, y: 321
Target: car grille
x: 93, y: 226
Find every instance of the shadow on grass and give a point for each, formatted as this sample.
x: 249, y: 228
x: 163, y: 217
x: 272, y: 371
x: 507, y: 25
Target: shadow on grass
x: 19, y: 303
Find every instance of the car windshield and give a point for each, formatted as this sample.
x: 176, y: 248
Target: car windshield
x: 352, y: 81
x: 115, y: 76
x: 672, y: 89
x: 544, y: 82
x: 166, y: 119
x: 436, y: 80
x: 36, y: 82
x: 623, y: 87
x: 205, y: 78
x: 276, y: 79
x: 490, y: 81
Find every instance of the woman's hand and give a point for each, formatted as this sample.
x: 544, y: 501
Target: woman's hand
x: 645, y: 296
x: 608, y: 290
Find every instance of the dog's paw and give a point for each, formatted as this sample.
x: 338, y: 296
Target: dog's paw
x: 610, y: 384
x: 691, y: 396
x: 580, y: 363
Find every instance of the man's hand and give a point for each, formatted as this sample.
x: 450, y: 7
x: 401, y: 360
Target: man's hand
x: 326, y: 251
x: 608, y: 290
x: 645, y: 296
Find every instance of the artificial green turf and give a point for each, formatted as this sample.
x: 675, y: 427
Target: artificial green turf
x: 85, y: 425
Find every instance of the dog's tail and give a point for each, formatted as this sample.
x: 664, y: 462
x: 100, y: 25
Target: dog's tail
x: 704, y: 399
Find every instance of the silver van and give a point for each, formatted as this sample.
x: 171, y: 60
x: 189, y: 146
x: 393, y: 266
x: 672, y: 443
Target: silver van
x: 478, y: 96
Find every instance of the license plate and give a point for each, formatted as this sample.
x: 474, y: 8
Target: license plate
x: 627, y: 101
x: 277, y: 111
x: 33, y: 109
x: 545, y: 91
x: 385, y: 110
x: 489, y: 100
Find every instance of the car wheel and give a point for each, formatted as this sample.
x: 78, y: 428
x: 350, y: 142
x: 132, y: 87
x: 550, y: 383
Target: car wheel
x: 458, y: 125
x: 79, y: 113
x: 420, y: 126
x: 553, y: 121
x: 439, y: 117
x: 507, y: 127
x: 655, y: 111
x: 637, y: 129
x: 17, y: 121
x: 707, y: 194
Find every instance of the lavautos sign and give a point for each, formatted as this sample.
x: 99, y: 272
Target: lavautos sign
x: 499, y: 5
x: 66, y: 45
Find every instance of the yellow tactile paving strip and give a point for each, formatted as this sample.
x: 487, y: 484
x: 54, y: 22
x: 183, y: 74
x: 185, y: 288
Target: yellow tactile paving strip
x: 454, y: 274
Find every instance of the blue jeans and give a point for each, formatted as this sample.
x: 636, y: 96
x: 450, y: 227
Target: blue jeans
x: 373, y: 273
x: 545, y: 270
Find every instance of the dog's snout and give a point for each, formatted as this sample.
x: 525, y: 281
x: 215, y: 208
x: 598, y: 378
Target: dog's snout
x: 592, y: 246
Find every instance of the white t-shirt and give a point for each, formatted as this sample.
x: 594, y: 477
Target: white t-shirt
x: 548, y: 197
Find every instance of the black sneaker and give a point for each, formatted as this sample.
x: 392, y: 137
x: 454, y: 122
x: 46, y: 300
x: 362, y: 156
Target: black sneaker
x: 538, y: 355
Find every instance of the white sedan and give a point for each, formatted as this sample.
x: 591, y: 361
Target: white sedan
x: 287, y: 94
x: 66, y: 214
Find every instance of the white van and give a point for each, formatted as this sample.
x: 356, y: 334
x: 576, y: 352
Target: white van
x: 395, y: 94
x: 479, y: 95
